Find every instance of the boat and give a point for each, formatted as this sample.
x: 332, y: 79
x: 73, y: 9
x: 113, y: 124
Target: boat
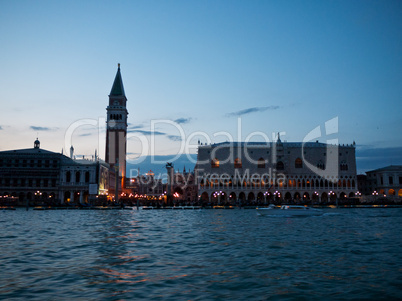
x: 289, y: 210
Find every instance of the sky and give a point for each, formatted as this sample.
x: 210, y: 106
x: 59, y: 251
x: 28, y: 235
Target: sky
x: 202, y: 70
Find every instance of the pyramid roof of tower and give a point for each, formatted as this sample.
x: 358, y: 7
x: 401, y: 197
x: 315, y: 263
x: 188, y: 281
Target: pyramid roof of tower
x: 117, y: 88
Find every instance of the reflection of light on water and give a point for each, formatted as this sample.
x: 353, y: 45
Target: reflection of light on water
x: 123, y: 277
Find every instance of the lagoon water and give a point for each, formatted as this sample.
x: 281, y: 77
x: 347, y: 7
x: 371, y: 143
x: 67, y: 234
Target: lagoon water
x: 345, y: 254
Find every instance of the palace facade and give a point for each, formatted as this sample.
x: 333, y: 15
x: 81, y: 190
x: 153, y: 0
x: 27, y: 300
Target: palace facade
x: 239, y: 172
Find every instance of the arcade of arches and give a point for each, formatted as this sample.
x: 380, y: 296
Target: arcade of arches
x: 295, y: 189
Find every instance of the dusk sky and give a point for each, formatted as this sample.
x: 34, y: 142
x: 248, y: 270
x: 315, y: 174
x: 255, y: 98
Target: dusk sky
x: 199, y: 66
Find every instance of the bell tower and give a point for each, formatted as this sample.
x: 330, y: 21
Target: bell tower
x: 116, y: 127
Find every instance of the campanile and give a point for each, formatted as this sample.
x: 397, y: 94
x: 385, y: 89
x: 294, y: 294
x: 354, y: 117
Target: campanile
x: 116, y: 127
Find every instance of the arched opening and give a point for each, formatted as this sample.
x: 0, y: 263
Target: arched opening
x: 391, y: 192
x: 382, y: 191
x: 298, y: 163
x: 87, y: 177
x: 333, y: 197
x: 296, y: 196
x: 204, y: 197
x: 251, y: 197
x: 86, y: 194
x: 67, y: 196
x: 324, y: 197
x: 280, y: 166
x: 342, y: 196
x: 260, y: 197
x: 232, y: 197
x: 68, y: 176
x: 351, y: 194
x: 288, y: 197
x: 315, y: 196
x: 77, y: 177
x: 306, y: 196
x: 237, y: 163
x: 400, y: 192
x: 242, y: 196
x: 215, y: 163
x: 214, y: 197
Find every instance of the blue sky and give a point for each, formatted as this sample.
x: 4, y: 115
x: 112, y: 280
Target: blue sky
x: 280, y: 66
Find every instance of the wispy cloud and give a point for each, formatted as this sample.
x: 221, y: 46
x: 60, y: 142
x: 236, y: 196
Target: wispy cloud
x: 85, y: 134
x: 146, y: 133
x: 174, y: 137
x: 252, y: 110
x: 41, y: 128
x: 134, y: 127
x: 183, y: 120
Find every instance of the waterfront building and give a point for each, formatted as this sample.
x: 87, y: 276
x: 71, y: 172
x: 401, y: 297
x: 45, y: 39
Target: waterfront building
x: 40, y: 176
x: 116, y: 128
x: 239, y: 172
x: 385, y: 181
x: 146, y: 185
x: 184, y: 187
x: 84, y: 180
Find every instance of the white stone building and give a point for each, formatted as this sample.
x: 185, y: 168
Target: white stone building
x: 277, y: 171
x: 385, y: 181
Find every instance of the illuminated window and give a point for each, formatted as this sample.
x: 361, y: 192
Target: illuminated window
x: 237, y: 163
x: 215, y: 163
x: 298, y: 163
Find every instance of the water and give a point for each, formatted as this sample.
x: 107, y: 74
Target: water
x: 346, y: 254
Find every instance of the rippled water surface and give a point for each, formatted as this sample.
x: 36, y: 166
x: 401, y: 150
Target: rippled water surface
x: 200, y: 255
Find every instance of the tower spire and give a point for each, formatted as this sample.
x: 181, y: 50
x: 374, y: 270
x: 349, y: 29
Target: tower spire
x: 117, y: 88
